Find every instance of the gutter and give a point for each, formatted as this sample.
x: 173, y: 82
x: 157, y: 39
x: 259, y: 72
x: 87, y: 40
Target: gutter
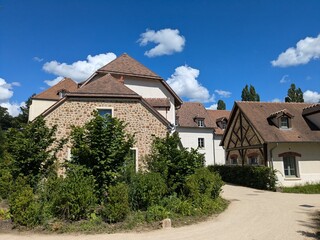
x: 271, y: 155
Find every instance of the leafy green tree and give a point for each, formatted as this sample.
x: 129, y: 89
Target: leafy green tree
x: 5, y: 119
x: 221, y: 105
x: 23, y: 117
x: 33, y: 150
x: 294, y: 94
x: 249, y: 94
x: 173, y: 162
x: 102, y: 146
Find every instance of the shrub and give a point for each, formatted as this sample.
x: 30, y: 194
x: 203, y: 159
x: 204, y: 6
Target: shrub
x: 203, y: 183
x: 173, y: 162
x: 24, y: 208
x: 6, y: 179
x: 117, y: 204
x: 178, y: 206
x: 156, y: 213
x: 72, y: 197
x: 146, y: 189
x: 259, y: 177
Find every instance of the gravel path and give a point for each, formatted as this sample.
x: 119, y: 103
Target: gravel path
x: 252, y: 215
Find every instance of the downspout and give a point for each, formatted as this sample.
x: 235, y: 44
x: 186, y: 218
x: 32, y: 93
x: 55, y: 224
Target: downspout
x: 271, y: 155
x: 214, y: 151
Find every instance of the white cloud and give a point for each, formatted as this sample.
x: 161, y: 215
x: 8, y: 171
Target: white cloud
x: 37, y: 59
x: 168, y: 41
x: 79, y: 70
x: 5, y: 90
x: 311, y: 97
x: 223, y: 93
x: 285, y: 79
x: 305, y: 50
x: 213, y: 107
x: 276, y: 100
x: 184, y: 82
x: 13, y: 108
x: 54, y: 81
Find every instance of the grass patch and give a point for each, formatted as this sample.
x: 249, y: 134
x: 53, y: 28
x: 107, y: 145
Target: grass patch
x: 307, y: 189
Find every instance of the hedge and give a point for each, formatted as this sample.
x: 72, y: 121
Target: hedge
x: 259, y: 177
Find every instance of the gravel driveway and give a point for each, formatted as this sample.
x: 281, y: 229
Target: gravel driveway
x: 252, y: 214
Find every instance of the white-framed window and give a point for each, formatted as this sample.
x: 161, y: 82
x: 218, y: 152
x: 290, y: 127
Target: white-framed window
x: 284, y: 122
x: 200, y: 142
x: 62, y: 93
x: 134, y: 158
x: 253, y: 160
x: 200, y: 122
x: 103, y: 111
x: 290, y: 166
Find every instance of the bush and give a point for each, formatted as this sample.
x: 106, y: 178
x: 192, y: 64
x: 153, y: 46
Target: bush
x: 117, y: 204
x: 178, y: 206
x: 146, y: 189
x: 24, y: 208
x: 259, y: 177
x: 203, y: 183
x: 72, y: 197
x: 156, y: 213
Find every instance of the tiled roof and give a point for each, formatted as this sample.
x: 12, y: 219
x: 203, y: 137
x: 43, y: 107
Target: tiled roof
x: 190, y: 111
x: 105, y: 85
x: 52, y: 93
x: 126, y: 65
x: 158, y: 102
x: 218, y: 115
x: 258, y: 113
x: 315, y: 108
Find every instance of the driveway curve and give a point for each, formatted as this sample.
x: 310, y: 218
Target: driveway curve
x: 252, y: 215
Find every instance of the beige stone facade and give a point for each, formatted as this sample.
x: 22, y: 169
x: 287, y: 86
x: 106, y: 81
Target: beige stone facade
x: 140, y: 121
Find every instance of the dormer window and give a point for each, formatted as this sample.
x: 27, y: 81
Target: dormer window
x: 200, y: 122
x: 284, y: 122
x: 62, y: 93
x: 224, y: 124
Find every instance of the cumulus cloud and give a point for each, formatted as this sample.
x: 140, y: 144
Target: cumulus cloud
x: 79, y: 70
x: 13, y: 108
x: 311, y: 97
x: 223, y: 93
x: 54, y: 81
x: 305, y: 50
x: 5, y: 94
x: 276, y: 100
x: 213, y: 107
x: 285, y: 79
x: 184, y: 82
x: 37, y: 59
x: 168, y: 41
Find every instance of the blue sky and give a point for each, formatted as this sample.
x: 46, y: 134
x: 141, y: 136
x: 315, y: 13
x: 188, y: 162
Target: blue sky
x: 207, y: 50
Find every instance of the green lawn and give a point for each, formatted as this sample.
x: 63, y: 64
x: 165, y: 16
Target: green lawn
x: 307, y: 189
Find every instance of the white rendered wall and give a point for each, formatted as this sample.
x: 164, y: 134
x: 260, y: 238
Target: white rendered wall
x: 153, y: 89
x: 39, y: 106
x: 219, y: 153
x: 189, y: 139
x: 308, y: 164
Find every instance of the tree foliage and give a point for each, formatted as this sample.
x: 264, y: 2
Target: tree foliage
x: 249, y: 94
x: 102, y: 146
x: 294, y: 94
x: 33, y: 150
x: 221, y: 105
x: 173, y: 161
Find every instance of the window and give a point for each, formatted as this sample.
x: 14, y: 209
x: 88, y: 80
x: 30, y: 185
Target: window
x: 284, y: 122
x: 200, y: 142
x: 253, y: 160
x: 234, y: 160
x: 104, y: 111
x: 224, y: 124
x: 62, y: 93
x: 200, y: 123
x: 290, y: 166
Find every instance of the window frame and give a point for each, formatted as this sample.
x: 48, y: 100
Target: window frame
x: 201, y: 143
x: 200, y: 122
x: 105, y: 108
x: 284, y: 119
x: 135, y: 149
x: 291, y: 159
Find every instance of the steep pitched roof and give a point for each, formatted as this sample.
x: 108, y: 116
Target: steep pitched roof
x: 104, y: 86
x: 190, y: 111
x: 258, y: 112
x: 217, y: 115
x: 52, y: 93
x: 126, y: 65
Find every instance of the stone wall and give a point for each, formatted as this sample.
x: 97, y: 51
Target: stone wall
x: 140, y: 120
